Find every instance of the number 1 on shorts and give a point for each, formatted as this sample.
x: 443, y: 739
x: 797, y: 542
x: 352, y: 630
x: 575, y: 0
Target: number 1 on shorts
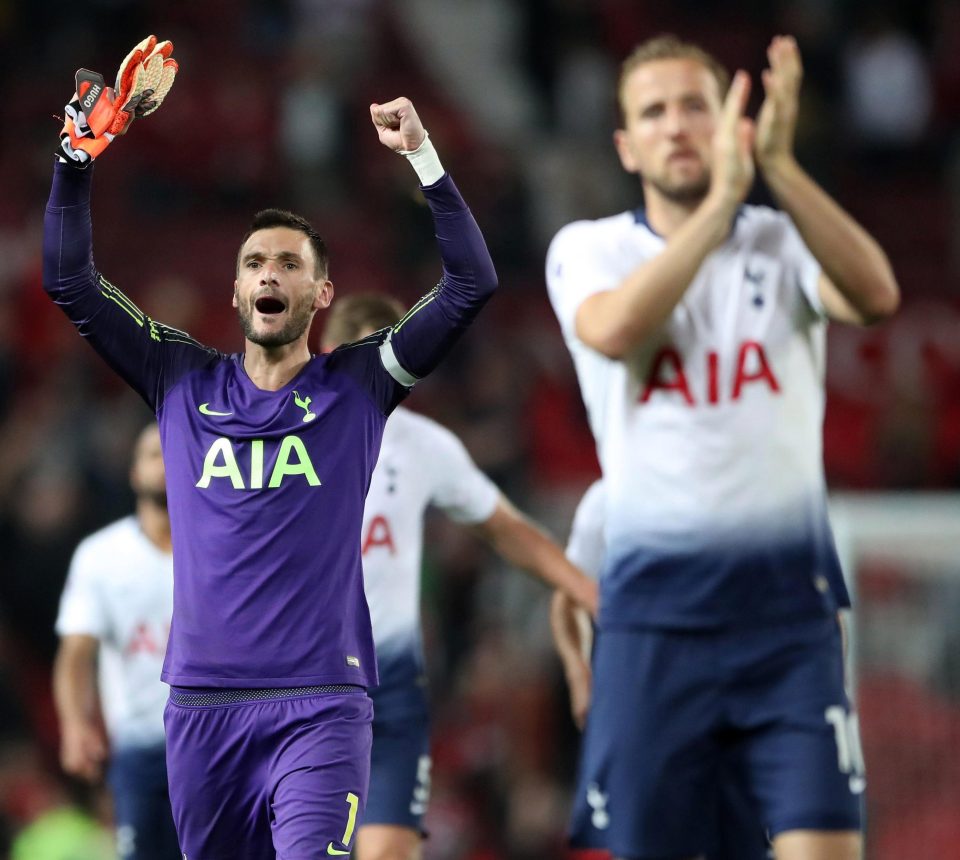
x: 353, y: 802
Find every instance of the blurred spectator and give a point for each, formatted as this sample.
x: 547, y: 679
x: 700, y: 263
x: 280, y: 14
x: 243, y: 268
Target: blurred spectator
x: 312, y: 133
x: 888, y: 88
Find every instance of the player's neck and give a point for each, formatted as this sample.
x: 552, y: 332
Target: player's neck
x: 664, y: 215
x: 154, y: 520
x: 270, y: 368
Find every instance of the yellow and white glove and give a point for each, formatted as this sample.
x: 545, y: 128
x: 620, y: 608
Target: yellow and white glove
x: 97, y: 113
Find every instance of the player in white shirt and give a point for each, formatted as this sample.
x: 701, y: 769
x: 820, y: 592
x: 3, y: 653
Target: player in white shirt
x: 697, y: 330
x: 421, y: 464
x: 113, y: 624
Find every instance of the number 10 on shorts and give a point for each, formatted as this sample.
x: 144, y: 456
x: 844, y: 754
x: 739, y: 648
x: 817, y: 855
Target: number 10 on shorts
x: 846, y: 730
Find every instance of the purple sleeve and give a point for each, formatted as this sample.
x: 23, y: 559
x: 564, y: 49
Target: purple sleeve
x: 430, y: 328
x: 150, y: 356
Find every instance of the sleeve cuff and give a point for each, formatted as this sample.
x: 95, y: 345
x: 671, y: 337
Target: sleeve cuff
x: 71, y: 185
x: 425, y: 161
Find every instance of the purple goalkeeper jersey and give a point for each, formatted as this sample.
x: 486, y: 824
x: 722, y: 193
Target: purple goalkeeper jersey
x: 266, y: 488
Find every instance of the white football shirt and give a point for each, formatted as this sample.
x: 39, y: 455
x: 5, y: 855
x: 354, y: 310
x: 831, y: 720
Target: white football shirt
x: 709, y: 434
x: 120, y: 590
x: 587, y: 550
x: 421, y: 464
x: 585, y: 546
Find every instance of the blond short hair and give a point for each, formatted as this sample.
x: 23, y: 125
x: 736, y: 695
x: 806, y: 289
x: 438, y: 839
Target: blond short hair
x: 670, y: 47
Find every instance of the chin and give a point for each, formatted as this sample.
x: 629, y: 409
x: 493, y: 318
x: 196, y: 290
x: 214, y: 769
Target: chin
x: 268, y: 337
x: 691, y: 191
x: 280, y: 335
x: 155, y: 497
x: 271, y: 338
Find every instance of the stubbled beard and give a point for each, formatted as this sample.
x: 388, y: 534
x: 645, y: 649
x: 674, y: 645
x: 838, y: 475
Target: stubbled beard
x: 154, y: 497
x: 692, y: 192
x: 298, y: 321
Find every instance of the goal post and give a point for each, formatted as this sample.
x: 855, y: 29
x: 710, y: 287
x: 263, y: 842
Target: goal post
x: 900, y: 553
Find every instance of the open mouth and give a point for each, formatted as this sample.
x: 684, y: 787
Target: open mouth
x: 269, y: 305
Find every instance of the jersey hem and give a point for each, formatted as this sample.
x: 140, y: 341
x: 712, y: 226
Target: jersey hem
x: 122, y: 745
x: 690, y: 624
x: 177, y: 680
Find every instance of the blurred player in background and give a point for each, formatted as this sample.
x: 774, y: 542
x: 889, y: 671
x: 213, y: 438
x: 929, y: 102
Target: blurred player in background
x: 268, y: 455
x: 113, y: 625
x: 697, y: 328
x: 421, y: 463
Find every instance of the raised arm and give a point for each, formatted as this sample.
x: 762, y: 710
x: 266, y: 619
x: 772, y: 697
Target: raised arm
x: 857, y: 284
x: 420, y: 340
x: 147, y: 354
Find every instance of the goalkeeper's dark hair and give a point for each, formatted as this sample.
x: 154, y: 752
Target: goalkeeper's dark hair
x: 265, y: 219
x: 352, y: 315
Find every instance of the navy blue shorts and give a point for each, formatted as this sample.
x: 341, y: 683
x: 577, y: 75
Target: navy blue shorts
x: 141, y: 804
x: 399, y: 769
x: 676, y: 716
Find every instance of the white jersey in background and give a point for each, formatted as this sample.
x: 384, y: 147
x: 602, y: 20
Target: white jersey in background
x: 585, y: 546
x: 709, y: 434
x: 421, y: 463
x: 120, y: 590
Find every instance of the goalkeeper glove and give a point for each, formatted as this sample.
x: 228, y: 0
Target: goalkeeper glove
x: 97, y: 113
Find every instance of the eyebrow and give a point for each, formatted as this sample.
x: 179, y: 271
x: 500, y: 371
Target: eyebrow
x: 686, y: 96
x: 260, y: 255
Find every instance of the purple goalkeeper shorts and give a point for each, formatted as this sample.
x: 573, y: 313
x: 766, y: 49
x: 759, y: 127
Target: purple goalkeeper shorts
x: 263, y: 774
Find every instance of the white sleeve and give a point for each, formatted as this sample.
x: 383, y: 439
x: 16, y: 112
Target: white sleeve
x: 460, y: 489
x: 575, y: 271
x: 586, y: 547
x: 802, y: 265
x: 81, y: 608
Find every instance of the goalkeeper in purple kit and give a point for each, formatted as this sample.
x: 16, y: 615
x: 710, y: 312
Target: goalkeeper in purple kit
x: 268, y: 457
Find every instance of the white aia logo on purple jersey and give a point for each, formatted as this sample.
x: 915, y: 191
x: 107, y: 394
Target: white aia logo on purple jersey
x: 222, y: 461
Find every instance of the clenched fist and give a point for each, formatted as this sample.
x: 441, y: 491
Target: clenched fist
x: 398, y: 125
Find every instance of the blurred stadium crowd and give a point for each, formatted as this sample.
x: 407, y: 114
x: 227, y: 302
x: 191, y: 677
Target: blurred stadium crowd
x: 271, y: 109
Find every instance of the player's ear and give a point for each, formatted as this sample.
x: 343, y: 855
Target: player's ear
x: 236, y: 300
x: 621, y: 143
x: 324, y: 295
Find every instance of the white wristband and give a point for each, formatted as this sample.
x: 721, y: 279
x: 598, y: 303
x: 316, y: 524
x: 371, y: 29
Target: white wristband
x: 425, y: 161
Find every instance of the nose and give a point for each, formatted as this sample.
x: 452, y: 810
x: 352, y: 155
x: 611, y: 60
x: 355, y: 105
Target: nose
x: 268, y: 274
x: 676, y: 123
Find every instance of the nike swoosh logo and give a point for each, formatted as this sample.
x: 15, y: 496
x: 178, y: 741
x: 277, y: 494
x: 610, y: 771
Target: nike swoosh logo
x: 335, y: 851
x: 206, y: 410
